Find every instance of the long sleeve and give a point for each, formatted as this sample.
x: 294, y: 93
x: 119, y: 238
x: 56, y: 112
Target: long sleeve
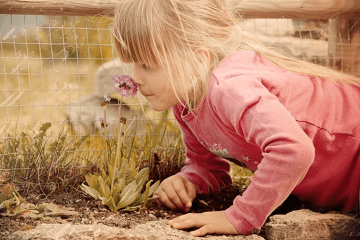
x: 204, y: 169
x: 287, y: 151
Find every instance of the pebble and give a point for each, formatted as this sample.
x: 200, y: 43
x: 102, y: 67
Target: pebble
x: 152, y: 216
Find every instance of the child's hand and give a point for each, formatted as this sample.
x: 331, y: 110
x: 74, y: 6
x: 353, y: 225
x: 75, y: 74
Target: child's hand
x: 176, y: 192
x: 207, y: 222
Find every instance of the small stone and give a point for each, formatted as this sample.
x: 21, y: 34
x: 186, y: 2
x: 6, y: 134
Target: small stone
x: 152, y: 216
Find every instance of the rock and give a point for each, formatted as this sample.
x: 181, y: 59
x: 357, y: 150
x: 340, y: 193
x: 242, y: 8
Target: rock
x: 159, y: 230
x: 305, y: 224
x: 151, y: 230
x: 69, y: 231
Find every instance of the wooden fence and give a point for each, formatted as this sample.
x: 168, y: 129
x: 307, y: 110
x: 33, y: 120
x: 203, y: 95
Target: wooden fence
x: 343, y: 15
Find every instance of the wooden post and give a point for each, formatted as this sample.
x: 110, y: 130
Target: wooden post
x: 344, y: 45
x: 353, y: 62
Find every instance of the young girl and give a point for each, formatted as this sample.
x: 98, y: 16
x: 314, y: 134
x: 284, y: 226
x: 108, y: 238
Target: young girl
x: 296, y: 125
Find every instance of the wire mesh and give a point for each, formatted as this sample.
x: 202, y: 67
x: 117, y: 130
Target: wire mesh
x: 56, y: 69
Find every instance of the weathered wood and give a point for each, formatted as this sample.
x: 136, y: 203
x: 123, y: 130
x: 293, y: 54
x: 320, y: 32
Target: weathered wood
x: 309, y: 9
x: 58, y: 7
x: 344, y: 45
x: 338, y: 32
x: 298, y: 9
x: 353, y: 62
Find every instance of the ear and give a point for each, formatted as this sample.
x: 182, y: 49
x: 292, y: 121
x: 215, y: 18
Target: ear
x: 204, y: 53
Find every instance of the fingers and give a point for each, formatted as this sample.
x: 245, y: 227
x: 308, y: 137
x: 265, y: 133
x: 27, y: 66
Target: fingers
x: 191, y: 190
x: 190, y: 221
x: 182, y: 189
x: 174, y: 193
x: 208, y: 223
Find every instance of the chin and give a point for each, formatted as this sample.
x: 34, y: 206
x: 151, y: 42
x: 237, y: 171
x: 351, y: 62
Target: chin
x: 159, y: 108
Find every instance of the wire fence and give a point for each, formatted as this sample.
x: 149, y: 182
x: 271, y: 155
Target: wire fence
x: 57, y: 69
x: 54, y: 71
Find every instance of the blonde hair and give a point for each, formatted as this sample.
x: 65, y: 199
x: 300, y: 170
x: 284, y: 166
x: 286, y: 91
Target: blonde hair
x: 171, y: 32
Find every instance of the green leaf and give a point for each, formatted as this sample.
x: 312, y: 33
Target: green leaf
x: 128, y: 195
x: 134, y: 172
x: 92, y: 181
x: 147, y: 193
x: 154, y: 187
x: 118, y: 187
x: 104, y: 189
x: 111, y: 174
x: 142, y: 176
x: 128, y: 175
x: 144, y: 196
x: 108, y: 181
x: 110, y: 203
x: 92, y: 192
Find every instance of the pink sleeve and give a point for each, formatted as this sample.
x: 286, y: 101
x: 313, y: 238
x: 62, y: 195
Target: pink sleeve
x: 287, y: 151
x: 204, y: 169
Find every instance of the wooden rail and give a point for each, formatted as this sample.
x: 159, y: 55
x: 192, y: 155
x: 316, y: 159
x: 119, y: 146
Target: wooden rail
x: 309, y: 9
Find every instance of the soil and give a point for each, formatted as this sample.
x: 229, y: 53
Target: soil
x: 91, y: 211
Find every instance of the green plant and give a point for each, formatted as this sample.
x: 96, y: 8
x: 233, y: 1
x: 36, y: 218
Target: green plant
x: 42, y: 164
x: 121, y: 188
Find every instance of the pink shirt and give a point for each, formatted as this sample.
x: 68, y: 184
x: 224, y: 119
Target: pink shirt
x: 299, y: 134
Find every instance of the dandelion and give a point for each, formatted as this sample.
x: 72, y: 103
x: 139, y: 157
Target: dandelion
x: 125, y: 85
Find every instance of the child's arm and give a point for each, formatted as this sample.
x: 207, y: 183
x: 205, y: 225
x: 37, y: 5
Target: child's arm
x: 264, y: 121
x: 207, y: 171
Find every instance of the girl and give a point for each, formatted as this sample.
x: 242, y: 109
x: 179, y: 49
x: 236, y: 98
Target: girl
x: 296, y: 125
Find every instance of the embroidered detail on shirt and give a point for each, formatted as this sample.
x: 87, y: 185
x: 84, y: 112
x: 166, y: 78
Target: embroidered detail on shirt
x: 218, y: 150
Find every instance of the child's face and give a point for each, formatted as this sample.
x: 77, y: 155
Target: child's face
x: 155, y: 86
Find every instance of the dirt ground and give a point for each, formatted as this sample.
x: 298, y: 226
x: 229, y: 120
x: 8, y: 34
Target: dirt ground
x: 91, y: 211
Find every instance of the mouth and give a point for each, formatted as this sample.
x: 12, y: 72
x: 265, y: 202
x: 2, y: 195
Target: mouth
x: 146, y: 95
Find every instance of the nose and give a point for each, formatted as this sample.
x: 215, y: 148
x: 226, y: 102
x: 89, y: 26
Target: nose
x: 137, y: 76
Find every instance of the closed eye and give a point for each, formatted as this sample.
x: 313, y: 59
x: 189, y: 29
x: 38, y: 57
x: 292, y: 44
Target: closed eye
x: 144, y: 66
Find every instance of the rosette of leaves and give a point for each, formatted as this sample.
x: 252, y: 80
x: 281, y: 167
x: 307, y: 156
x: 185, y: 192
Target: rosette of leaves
x: 124, y: 189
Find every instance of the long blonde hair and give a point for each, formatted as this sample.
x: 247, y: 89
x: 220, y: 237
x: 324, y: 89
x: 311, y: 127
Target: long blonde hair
x: 171, y: 32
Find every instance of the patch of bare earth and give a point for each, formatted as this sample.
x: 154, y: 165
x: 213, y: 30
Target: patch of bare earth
x: 92, y: 211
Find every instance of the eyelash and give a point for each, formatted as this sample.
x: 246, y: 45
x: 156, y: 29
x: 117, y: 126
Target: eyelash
x: 145, y: 67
